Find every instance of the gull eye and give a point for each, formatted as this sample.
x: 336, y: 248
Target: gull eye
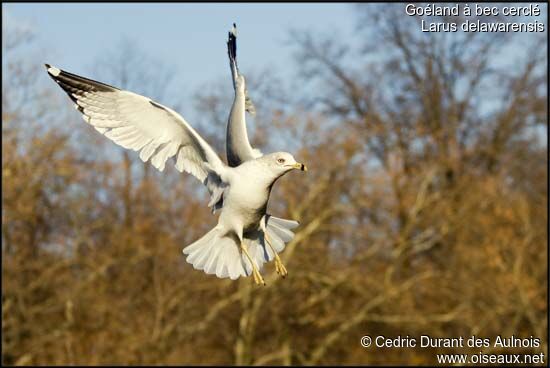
x: 281, y: 161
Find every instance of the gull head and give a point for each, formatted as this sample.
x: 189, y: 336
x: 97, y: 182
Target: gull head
x: 282, y: 162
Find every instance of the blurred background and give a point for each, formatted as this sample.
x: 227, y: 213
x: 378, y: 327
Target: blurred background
x: 424, y: 211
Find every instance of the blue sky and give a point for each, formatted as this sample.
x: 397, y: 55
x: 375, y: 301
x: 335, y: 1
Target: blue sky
x: 189, y: 37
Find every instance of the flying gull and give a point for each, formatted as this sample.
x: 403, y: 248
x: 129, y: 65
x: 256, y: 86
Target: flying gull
x: 237, y: 245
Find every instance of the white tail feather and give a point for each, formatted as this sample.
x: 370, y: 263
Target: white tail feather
x: 220, y: 255
x: 288, y: 224
x: 278, y: 233
x: 217, y: 254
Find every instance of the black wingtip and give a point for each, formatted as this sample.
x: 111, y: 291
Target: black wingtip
x: 48, y: 66
x: 232, y: 43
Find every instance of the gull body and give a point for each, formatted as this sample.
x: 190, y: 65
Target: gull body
x: 243, y: 218
x: 246, y: 198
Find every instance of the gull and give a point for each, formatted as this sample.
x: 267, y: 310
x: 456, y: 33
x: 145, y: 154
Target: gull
x: 239, y: 150
x: 235, y: 247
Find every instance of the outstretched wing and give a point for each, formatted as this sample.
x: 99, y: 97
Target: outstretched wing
x: 138, y: 123
x: 238, y: 148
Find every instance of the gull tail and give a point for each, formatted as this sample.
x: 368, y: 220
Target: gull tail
x: 218, y: 254
x: 278, y: 232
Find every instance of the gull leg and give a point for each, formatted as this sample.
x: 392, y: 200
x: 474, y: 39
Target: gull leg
x: 279, y: 266
x: 258, y: 279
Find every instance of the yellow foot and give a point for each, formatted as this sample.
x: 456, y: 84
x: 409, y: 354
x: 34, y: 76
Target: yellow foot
x: 280, y: 267
x: 258, y: 279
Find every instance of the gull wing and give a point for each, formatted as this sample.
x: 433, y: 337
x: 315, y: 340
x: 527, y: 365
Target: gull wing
x: 238, y: 147
x: 143, y: 125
